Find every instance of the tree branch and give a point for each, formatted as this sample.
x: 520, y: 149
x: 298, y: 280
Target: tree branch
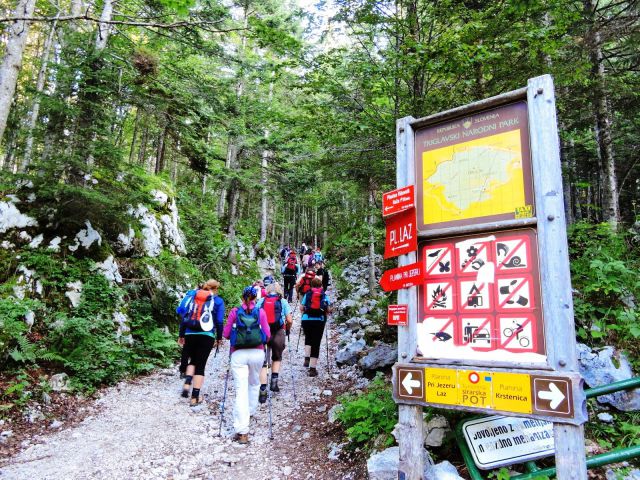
x: 89, y: 18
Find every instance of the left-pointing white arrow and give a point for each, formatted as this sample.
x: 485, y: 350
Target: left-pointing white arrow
x: 554, y: 394
x: 409, y: 384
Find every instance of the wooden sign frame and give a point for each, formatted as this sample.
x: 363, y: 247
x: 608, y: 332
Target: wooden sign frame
x: 553, y: 263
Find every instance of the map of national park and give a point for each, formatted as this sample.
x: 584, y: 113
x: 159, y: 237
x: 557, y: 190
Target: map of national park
x: 473, y: 179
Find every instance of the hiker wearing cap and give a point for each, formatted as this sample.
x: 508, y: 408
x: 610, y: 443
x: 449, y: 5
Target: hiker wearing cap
x: 304, y: 282
x: 280, y: 320
x: 314, y: 308
x: 248, y: 330
x: 200, y: 329
x: 290, y: 272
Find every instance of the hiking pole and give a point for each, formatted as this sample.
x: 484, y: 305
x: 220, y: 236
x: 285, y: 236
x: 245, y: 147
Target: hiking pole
x: 224, y: 396
x: 327, y: 337
x: 293, y: 374
x: 266, y: 357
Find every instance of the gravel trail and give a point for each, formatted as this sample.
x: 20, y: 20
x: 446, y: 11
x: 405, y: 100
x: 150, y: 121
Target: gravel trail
x: 144, y: 430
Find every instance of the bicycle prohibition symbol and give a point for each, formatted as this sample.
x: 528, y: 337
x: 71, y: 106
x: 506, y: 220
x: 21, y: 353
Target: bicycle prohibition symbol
x: 523, y: 340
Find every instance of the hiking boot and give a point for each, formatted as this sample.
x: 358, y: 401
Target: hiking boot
x: 262, y: 396
x: 306, y: 362
x: 242, y: 438
x: 195, y: 401
x: 274, y: 385
x: 185, y: 391
x: 313, y: 372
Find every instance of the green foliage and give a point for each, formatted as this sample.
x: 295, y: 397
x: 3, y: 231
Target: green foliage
x: 624, y: 431
x: 605, y: 276
x: 369, y: 416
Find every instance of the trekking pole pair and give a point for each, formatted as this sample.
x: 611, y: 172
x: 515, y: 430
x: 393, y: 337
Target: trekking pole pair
x: 266, y: 359
x: 327, y: 337
x: 293, y: 373
x: 224, y: 395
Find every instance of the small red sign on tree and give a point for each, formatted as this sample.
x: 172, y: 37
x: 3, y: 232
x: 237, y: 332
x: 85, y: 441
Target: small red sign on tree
x: 401, y: 234
x: 398, y: 315
x: 397, y: 201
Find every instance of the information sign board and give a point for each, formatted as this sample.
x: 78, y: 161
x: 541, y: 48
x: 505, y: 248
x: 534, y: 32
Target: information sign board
x: 398, y: 315
x: 398, y: 200
x: 481, y: 299
x: 475, y: 169
x: 536, y: 393
x: 401, y: 235
x: 497, y: 441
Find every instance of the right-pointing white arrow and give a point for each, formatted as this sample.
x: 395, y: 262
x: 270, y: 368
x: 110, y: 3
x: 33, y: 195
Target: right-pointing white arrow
x: 409, y: 384
x: 554, y: 394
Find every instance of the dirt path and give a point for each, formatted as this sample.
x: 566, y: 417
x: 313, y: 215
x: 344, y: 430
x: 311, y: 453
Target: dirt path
x: 144, y: 430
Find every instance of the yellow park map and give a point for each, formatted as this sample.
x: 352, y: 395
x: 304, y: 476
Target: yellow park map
x: 473, y: 179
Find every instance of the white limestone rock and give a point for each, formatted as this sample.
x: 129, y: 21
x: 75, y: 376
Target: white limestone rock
x: 87, y: 237
x: 74, y: 292
x: 159, y: 197
x: 59, y: 382
x: 24, y: 236
x: 25, y: 283
x: 109, y: 268
x: 151, y: 233
x: 123, y: 332
x: 7, y: 245
x: 37, y: 241
x: 54, y: 245
x: 30, y: 319
x: 124, y: 242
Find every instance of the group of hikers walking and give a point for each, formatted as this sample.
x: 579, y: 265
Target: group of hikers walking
x: 258, y: 330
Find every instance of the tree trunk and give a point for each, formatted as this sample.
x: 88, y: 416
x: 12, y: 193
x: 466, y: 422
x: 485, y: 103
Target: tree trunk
x: 134, y: 136
x: 233, y: 218
x: 160, y: 151
x: 102, y: 35
x: 325, y: 231
x: 16, y: 33
x: 35, y: 109
x: 602, y: 115
x: 371, y: 218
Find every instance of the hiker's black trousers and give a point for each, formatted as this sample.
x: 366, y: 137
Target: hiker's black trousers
x: 198, y: 348
x: 313, y: 330
x: 289, y: 283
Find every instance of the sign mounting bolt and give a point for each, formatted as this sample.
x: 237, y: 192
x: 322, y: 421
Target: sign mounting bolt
x: 540, y: 91
x: 562, y: 363
x: 404, y: 355
x: 551, y: 218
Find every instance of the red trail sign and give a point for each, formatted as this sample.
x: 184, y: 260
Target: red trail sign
x: 401, y: 234
x: 402, y: 277
x: 398, y: 200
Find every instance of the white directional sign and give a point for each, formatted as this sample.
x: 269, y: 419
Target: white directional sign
x: 554, y: 395
x: 497, y: 441
x: 411, y: 383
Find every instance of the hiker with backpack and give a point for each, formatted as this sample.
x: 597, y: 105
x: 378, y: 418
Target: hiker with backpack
x: 323, y: 272
x: 314, y: 308
x: 317, y: 256
x: 248, y: 330
x: 304, y: 282
x: 280, y: 320
x: 284, y: 253
x: 202, y: 313
x: 290, y: 271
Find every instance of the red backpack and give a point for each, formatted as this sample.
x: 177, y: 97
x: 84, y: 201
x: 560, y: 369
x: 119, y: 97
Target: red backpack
x: 272, y: 306
x: 316, y: 301
x: 305, y: 285
x: 292, y: 262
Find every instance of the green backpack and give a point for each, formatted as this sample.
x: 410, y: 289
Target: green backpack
x: 246, y: 332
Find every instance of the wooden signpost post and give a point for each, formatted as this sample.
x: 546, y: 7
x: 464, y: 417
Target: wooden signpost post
x: 490, y: 319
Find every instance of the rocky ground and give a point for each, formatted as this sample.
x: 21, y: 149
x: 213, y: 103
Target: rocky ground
x: 144, y: 430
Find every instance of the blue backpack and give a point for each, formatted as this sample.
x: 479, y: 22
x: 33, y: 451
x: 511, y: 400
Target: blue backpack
x: 246, y: 331
x: 185, y: 307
